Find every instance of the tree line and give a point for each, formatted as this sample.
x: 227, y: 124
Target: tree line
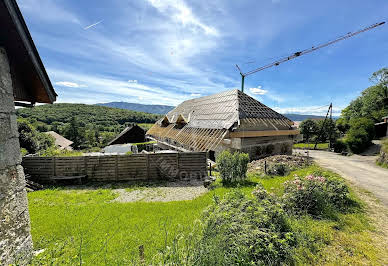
x: 88, y: 126
x: 354, y: 130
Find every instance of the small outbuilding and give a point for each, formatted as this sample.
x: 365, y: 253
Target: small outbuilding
x: 131, y: 134
x: 60, y: 141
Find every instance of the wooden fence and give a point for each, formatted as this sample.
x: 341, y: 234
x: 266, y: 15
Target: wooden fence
x: 152, y: 166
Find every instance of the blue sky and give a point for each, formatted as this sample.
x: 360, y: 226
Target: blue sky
x: 167, y: 51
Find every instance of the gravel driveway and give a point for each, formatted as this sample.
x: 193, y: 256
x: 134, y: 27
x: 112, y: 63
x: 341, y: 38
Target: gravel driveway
x: 172, y: 191
x: 361, y: 170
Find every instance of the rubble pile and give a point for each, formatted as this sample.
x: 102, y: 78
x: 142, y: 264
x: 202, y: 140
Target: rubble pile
x: 292, y: 161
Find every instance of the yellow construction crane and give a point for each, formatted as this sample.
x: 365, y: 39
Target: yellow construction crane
x: 306, y: 51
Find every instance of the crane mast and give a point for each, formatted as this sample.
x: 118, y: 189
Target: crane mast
x: 303, y: 52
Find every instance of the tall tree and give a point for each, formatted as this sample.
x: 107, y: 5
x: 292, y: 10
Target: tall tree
x: 308, y: 128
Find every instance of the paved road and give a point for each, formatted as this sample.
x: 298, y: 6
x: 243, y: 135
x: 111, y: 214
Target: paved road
x: 361, y: 170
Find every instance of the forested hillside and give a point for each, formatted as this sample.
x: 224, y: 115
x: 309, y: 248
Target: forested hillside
x: 86, y: 125
x: 148, y: 108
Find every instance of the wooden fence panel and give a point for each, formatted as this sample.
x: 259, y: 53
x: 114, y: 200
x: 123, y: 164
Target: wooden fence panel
x: 119, y: 167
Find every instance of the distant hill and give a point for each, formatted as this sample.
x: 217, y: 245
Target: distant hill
x: 298, y: 117
x: 164, y: 109
x: 147, y: 108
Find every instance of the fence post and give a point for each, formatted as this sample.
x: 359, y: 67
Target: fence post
x: 148, y: 165
x: 85, y: 166
x: 177, y: 165
x: 117, y: 167
x: 54, y: 167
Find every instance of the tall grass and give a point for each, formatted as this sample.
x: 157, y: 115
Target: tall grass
x: 86, y: 227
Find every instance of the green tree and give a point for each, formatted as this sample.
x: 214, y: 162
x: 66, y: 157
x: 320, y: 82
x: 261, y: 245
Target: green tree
x: 308, y: 128
x: 342, y: 125
x: 326, y: 130
x: 32, y: 140
x: 373, y: 102
x: 360, y: 135
x: 74, y: 132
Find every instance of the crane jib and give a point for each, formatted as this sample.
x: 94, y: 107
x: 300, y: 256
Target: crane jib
x: 306, y: 51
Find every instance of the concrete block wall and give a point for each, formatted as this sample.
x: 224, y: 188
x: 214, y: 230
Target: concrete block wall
x: 15, y: 237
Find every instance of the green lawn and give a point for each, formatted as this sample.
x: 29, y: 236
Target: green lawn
x: 320, y: 146
x: 83, y: 225
x: 146, y: 126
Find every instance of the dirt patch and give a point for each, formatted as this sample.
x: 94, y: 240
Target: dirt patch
x: 292, y: 161
x: 174, y: 191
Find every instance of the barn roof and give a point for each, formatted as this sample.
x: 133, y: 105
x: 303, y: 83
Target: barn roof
x: 221, y: 110
x: 125, y: 131
x: 31, y: 82
x: 202, y: 123
x: 60, y: 141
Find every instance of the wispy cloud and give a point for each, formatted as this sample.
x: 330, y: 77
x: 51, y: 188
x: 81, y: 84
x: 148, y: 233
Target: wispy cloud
x: 92, y: 25
x: 311, y: 110
x: 181, y: 13
x: 70, y: 84
x: 47, y: 10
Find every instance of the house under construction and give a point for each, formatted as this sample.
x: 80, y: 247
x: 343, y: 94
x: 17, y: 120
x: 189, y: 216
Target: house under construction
x: 229, y: 120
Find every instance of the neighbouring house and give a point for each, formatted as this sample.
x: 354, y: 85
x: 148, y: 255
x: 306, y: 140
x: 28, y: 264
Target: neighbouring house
x: 23, y: 82
x: 61, y: 142
x: 381, y: 129
x: 131, y: 134
x: 231, y: 120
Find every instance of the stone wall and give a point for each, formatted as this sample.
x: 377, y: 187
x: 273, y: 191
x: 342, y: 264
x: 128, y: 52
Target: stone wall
x: 15, y: 237
x: 383, y: 158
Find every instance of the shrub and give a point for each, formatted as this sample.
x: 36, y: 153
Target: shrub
x: 360, y: 134
x: 243, y: 231
x: 315, y: 193
x: 285, y: 148
x: 232, y: 167
x: 339, y: 146
x: 279, y: 169
x: 269, y: 149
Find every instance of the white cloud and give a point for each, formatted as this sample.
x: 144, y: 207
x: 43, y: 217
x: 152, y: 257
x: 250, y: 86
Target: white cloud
x: 70, y: 84
x: 309, y: 110
x: 258, y: 90
x: 195, y: 95
x: 181, y: 13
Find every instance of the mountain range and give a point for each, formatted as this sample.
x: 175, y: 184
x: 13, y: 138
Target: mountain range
x: 163, y: 109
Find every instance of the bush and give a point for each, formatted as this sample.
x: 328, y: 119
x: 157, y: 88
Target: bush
x: 269, y: 149
x: 279, y: 169
x: 232, y: 167
x: 243, y: 231
x: 360, y: 135
x: 314, y: 194
x: 339, y: 146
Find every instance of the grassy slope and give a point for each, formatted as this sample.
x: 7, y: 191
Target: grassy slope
x: 112, y: 232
